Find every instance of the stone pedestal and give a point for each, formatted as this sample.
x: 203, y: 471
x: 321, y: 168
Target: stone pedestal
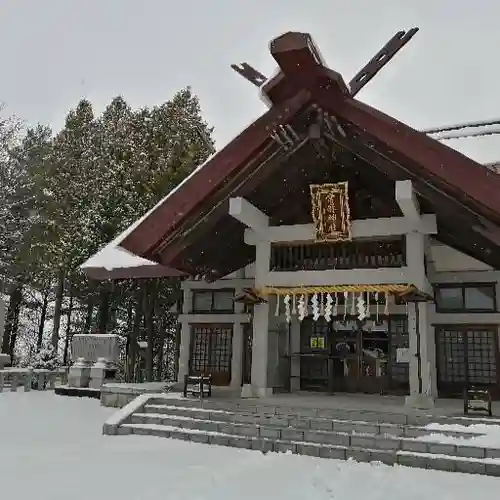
x: 4, y: 360
x: 79, y: 374
x: 101, y: 372
x: 96, y: 356
x: 419, y: 401
x: 246, y: 391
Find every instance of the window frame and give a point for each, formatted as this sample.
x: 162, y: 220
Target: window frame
x: 213, y: 292
x: 463, y: 287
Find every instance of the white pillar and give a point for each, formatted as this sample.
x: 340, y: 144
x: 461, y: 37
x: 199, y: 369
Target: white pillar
x: 260, y: 344
x: 260, y: 353
x: 237, y: 356
x: 421, y: 359
x: 185, y: 340
x: 428, y: 351
x: 184, y: 351
x: 412, y: 337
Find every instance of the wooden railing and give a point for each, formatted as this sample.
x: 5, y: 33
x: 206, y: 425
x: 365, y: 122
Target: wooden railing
x: 347, y: 255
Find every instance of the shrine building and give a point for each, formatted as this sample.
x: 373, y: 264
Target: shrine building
x: 328, y: 247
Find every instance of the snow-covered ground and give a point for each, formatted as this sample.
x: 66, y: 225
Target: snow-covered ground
x: 51, y: 448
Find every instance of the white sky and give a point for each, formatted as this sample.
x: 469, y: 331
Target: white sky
x: 55, y: 52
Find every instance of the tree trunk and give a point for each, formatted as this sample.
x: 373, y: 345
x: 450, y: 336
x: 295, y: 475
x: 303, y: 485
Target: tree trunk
x: 43, y: 317
x: 162, y: 335
x: 149, y: 303
x: 12, y: 320
x: 88, y: 317
x: 133, y: 336
x: 68, y: 327
x: 103, y: 316
x: 58, y: 310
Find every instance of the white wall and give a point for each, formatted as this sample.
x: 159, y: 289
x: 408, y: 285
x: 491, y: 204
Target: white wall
x: 446, y: 259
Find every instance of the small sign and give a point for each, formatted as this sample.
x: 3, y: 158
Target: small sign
x: 402, y: 355
x: 317, y: 342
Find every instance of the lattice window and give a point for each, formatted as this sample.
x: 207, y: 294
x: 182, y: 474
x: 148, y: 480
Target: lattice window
x: 481, y: 357
x: 451, y: 359
x: 211, y: 349
x: 467, y: 356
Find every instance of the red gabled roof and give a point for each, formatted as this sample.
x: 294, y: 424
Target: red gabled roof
x: 177, y: 207
x: 304, y: 80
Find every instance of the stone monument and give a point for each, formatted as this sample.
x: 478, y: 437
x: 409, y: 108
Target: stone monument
x: 96, y: 358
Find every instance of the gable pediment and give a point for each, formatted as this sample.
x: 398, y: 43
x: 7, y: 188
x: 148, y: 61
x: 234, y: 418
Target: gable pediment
x: 447, y: 259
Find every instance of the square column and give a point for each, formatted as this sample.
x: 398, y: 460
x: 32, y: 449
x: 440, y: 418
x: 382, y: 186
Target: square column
x: 185, y: 340
x: 237, y: 357
x: 422, y: 369
x: 260, y: 353
x: 260, y: 340
x: 184, y: 351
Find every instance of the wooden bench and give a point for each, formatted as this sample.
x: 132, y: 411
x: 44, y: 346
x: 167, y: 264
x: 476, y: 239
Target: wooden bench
x: 198, y: 386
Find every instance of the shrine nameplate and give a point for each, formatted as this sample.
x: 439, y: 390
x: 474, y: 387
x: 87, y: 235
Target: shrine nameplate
x: 330, y: 212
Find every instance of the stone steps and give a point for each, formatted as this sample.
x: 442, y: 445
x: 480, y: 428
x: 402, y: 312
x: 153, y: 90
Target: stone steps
x: 369, y: 439
x: 305, y: 431
x: 296, y: 422
x: 358, y: 453
x: 417, y: 418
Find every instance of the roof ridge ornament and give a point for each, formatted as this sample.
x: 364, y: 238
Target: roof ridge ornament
x: 294, y: 41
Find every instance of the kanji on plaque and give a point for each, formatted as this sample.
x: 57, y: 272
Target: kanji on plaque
x: 330, y: 212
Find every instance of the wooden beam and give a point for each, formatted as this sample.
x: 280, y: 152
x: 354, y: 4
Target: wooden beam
x: 407, y: 200
x: 248, y: 214
x: 332, y: 277
x: 367, y: 228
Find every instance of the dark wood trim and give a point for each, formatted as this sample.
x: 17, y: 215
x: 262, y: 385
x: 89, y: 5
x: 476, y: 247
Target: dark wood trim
x: 463, y: 287
x: 358, y: 382
x: 212, y: 291
x: 474, y: 184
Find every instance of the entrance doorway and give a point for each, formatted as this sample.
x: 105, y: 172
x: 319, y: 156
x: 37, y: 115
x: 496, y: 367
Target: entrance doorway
x: 211, y: 352
x: 466, y: 355
x: 353, y: 356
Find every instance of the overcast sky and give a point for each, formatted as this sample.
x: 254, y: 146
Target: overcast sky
x: 54, y: 52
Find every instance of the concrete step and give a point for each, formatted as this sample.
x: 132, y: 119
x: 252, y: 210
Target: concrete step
x: 241, y: 416
x: 417, y: 418
x: 369, y: 440
x: 359, y: 453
